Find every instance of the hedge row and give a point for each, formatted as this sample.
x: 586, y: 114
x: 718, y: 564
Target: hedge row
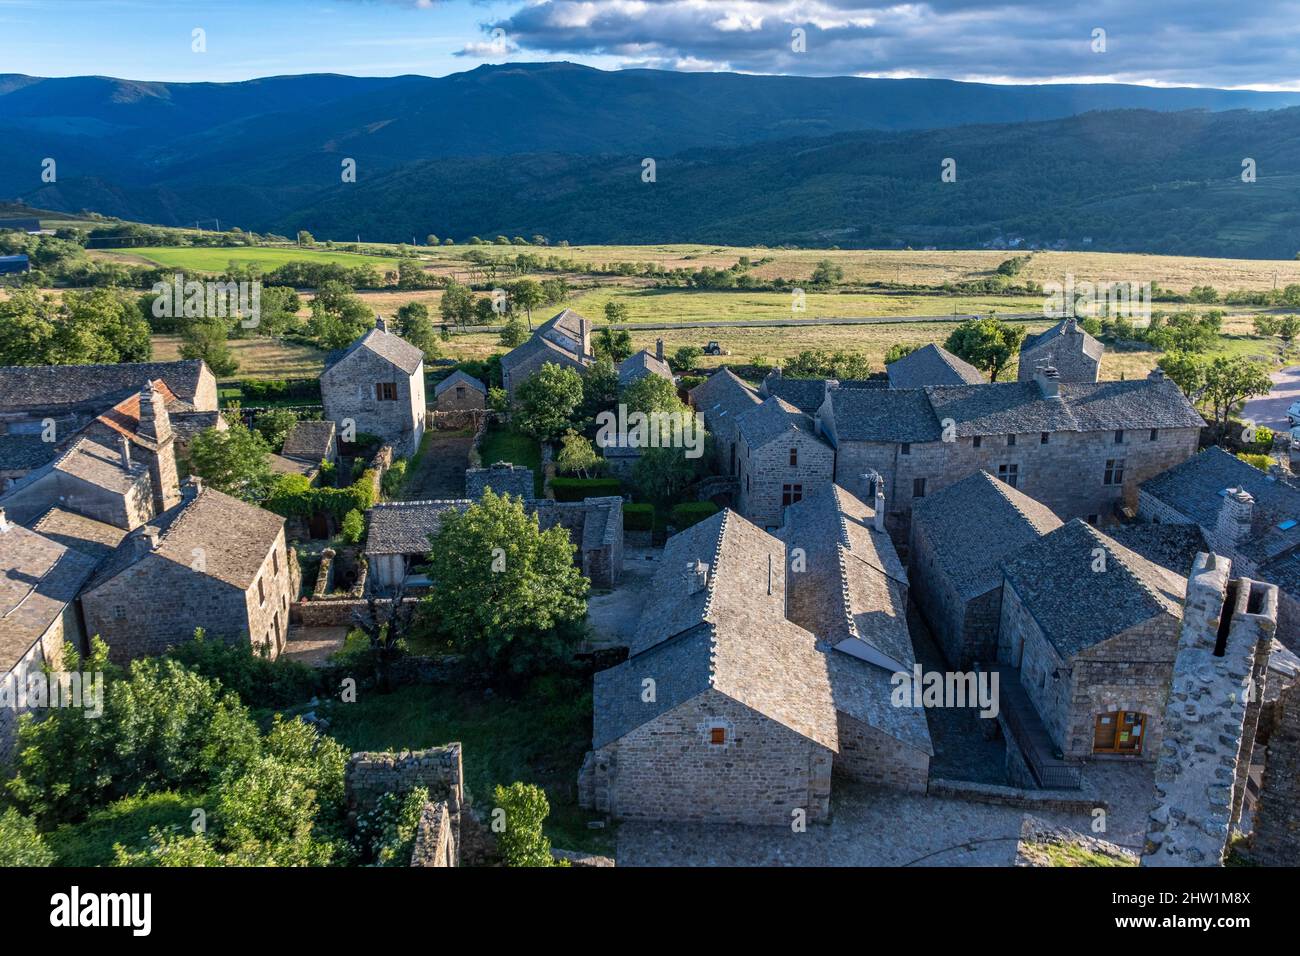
x: 638, y: 517
x: 575, y: 489
x: 692, y: 512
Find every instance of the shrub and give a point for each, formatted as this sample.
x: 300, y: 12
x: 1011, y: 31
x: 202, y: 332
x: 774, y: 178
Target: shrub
x: 20, y: 843
x: 385, y: 835
x: 1259, y: 461
x: 391, y: 483
x: 692, y: 512
x: 259, y: 681
x: 638, y: 517
x: 575, y: 489
x: 522, y: 841
x: 354, y: 526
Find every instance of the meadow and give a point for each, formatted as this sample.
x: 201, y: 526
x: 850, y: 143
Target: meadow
x: 217, y: 258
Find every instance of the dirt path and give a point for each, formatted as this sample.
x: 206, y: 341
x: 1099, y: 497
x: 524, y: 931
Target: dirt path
x: 440, y: 472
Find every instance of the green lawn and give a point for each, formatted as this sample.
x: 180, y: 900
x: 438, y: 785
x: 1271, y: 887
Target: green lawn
x: 217, y: 258
x: 503, y: 444
x: 539, y: 737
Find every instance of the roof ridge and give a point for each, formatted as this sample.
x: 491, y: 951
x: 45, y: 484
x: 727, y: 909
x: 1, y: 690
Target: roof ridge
x: 706, y: 614
x: 1110, y: 544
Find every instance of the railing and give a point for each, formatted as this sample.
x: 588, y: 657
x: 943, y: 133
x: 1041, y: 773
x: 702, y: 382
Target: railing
x: 1050, y: 772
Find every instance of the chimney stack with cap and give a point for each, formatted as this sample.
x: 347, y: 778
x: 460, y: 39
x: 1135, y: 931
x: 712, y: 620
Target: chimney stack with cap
x: 1049, y: 382
x: 1157, y: 374
x: 380, y: 324
x: 192, y: 488
x: 659, y: 349
x: 124, y: 447
x: 697, y: 577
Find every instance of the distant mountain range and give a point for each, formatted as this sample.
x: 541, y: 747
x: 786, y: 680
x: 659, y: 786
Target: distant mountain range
x: 557, y: 149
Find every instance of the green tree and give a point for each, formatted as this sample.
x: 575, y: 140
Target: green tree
x: 274, y: 425
x: 651, y: 393
x: 616, y: 311
x: 1186, y: 371
x: 523, y: 842
x: 233, y: 460
x: 431, y: 240
x: 279, y: 305
x: 989, y: 344
x: 526, y: 294
x: 513, y: 334
x: 505, y: 593
x: 416, y: 327
x: 612, y: 345
x: 206, y: 339
x: 576, y: 455
x: 826, y: 273
x: 353, y: 526
x: 599, y: 390
x: 21, y: 843
x: 899, y: 351
x: 660, y: 475
x: 305, y: 238
x: 1229, y: 381
x: 457, y: 306
x: 547, y: 401
x: 684, y: 358
x: 338, y: 316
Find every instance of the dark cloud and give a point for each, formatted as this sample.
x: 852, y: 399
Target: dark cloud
x: 1199, y: 42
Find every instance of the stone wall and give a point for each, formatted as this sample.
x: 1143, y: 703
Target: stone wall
x: 762, y: 472
x: 435, y: 840
x: 1276, y: 837
x: 503, y: 478
x: 1209, y: 734
x: 46, y: 651
x: 460, y: 398
x: 667, y: 769
x: 872, y: 757
x: 368, y: 776
x: 454, y: 420
x: 965, y: 629
x: 595, y: 526
x: 348, y: 391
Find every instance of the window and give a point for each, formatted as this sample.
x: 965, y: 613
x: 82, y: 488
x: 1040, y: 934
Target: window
x: 918, y: 487
x: 791, y: 494
x: 747, y: 484
x: 975, y: 442
x: 386, y: 391
x: 717, y: 736
x: 1119, y: 436
x: 261, y: 592
x: 905, y: 448
x: 1044, y: 438
x: 1092, y: 520
x: 1009, y: 473
x: 460, y: 392
x: 794, y: 457
x: 1011, y: 441
x: 1114, y: 472
x: 1155, y: 435
x: 275, y: 562
x: 119, y: 611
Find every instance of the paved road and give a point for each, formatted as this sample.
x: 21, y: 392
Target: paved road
x: 792, y: 321
x: 1271, y: 409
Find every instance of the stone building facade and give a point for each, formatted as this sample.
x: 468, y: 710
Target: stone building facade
x: 459, y: 392
x: 378, y: 385
x: 213, y: 562
x: 368, y: 776
x: 779, y: 459
x: 1275, y: 840
x: 563, y: 340
x: 1066, y: 347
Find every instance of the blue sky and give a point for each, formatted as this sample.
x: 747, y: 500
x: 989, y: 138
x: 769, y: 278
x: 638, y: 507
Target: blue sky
x: 1155, y: 42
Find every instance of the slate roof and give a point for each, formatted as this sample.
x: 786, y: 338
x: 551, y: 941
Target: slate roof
x: 233, y: 537
x: 1077, y: 607
x: 1065, y: 328
x: 20, y: 452
x: 730, y: 636
x: 101, y: 466
x: 1195, y: 488
x: 459, y: 377
x: 308, y: 440
x: 805, y: 394
x: 53, y: 386
x: 932, y: 365
x: 722, y: 397
x: 974, y: 524
x: 1172, y: 546
x: 404, y: 527
x: 640, y: 364
x: 560, y: 334
x: 772, y: 419
x: 38, y: 579
x: 387, y: 345
x: 95, y: 539
x: 883, y: 415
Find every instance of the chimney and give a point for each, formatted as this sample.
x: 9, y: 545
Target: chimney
x: 380, y: 324
x: 1071, y: 325
x: 697, y: 577
x: 1233, y: 524
x: 124, y: 446
x: 145, y: 540
x: 1049, y: 382
x: 584, y: 338
x: 879, y: 518
x: 659, y: 349
x: 4, y: 522
x: 1157, y: 374
x: 155, y: 423
x: 192, y: 488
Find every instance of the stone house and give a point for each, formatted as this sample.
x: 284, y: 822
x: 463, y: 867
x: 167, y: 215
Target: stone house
x: 1070, y: 350
x: 720, y: 399
x: 1245, y: 515
x: 728, y: 711
x: 44, y: 408
x: 563, y: 340
x: 39, y: 581
x: 1081, y: 449
x: 779, y: 457
x: 398, y: 539
x: 595, y: 527
x: 106, y: 484
x: 640, y: 364
x: 459, y: 392
x: 211, y: 561
x: 932, y: 365
x: 1088, y: 634
x: 377, y: 383
x: 959, y: 539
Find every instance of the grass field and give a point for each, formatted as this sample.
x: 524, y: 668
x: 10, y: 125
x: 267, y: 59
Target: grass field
x: 217, y: 258
x: 258, y: 357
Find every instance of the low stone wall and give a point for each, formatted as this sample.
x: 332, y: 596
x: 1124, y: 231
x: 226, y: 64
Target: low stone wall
x: 476, y: 448
x: 369, y: 776
x: 1276, y: 838
x: 454, y: 420
x: 1069, y: 801
x: 332, y: 611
